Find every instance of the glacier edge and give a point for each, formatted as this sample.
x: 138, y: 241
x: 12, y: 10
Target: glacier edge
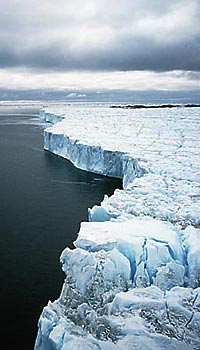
x: 133, y: 280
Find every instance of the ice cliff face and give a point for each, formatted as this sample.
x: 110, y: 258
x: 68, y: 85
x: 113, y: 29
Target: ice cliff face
x: 133, y: 280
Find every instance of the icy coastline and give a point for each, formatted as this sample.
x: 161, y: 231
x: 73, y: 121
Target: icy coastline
x: 133, y: 280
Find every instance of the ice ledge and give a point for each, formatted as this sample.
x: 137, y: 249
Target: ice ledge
x: 157, y: 159
x: 158, y: 252
x: 91, y: 157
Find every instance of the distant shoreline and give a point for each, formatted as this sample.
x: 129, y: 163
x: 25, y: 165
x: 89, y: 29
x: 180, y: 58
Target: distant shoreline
x: 139, y: 106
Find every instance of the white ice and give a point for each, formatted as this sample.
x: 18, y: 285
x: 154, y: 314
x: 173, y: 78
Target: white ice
x: 160, y: 148
x: 133, y: 280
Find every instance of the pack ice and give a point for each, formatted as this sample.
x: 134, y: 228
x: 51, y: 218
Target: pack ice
x: 133, y: 280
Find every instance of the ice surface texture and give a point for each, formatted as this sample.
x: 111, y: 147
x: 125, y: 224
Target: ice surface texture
x: 133, y: 280
x: 158, y: 147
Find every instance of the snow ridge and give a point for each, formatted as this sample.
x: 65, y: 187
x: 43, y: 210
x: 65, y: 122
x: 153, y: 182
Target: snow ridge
x: 133, y: 280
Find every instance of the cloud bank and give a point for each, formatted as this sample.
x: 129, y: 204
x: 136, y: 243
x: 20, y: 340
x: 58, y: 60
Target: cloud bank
x: 100, y: 35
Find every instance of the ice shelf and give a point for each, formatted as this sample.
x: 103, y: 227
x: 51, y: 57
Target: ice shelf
x: 133, y: 280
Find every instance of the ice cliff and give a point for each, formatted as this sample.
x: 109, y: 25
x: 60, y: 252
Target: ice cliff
x: 133, y: 281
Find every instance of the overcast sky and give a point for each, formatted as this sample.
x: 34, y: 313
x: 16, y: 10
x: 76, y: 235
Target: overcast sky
x: 132, y: 44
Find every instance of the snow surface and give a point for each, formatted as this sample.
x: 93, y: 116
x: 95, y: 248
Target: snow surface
x: 160, y: 148
x: 133, y: 280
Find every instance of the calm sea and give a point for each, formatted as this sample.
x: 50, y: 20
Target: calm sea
x: 43, y: 199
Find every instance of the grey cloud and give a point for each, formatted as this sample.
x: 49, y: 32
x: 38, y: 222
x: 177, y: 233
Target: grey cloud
x: 47, y: 36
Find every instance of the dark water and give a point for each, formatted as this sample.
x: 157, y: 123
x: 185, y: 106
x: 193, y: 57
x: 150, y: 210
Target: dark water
x: 43, y: 199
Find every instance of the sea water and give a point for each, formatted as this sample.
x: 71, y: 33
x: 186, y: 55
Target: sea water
x: 43, y: 199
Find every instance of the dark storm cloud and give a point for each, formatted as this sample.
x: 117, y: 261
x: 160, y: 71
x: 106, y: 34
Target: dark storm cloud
x: 100, y: 35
